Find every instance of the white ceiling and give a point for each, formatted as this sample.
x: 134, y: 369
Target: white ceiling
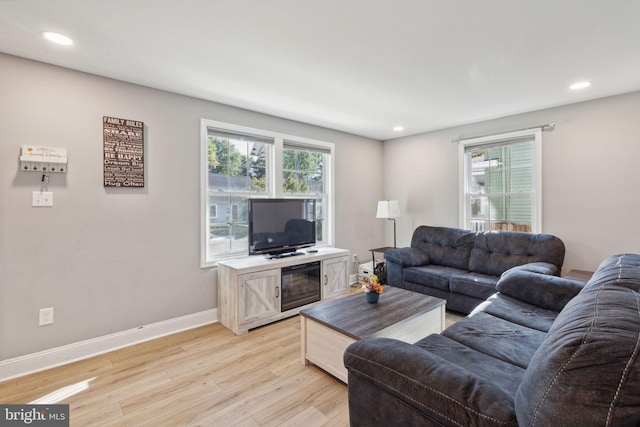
x: 359, y: 66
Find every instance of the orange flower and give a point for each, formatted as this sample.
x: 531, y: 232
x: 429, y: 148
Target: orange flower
x: 372, y: 285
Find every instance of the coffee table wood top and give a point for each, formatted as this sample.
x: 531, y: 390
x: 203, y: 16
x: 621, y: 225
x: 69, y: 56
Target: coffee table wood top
x: 354, y: 317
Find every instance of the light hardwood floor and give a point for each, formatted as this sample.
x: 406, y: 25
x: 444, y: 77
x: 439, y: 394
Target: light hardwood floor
x: 206, y: 376
x: 202, y: 377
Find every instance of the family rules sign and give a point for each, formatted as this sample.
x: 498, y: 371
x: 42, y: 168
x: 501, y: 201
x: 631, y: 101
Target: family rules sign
x: 123, y: 142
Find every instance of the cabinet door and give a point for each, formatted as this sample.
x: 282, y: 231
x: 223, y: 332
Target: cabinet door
x: 259, y: 295
x: 336, y: 277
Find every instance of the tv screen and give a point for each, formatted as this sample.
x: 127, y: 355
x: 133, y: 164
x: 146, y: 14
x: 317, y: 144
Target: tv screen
x: 280, y: 226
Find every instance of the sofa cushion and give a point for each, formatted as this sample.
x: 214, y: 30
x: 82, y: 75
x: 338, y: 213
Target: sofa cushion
x: 589, y: 361
x: 518, y: 312
x: 495, y: 252
x: 405, y: 378
x: 435, y: 276
x: 498, y: 338
x: 499, y: 372
x: 473, y: 284
x: 450, y: 247
x: 621, y: 270
x: 550, y: 292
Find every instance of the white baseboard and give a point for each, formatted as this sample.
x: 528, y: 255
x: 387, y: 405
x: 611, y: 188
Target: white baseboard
x: 47, y: 359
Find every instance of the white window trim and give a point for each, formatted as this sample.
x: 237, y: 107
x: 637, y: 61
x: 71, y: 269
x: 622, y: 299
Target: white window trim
x: 274, y: 184
x: 536, y: 221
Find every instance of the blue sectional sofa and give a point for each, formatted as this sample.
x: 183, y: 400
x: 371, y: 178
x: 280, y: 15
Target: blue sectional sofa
x: 543, y: 351
x: 463, y: 267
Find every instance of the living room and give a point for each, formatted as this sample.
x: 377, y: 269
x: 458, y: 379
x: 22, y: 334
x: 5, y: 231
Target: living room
x: 125, y: 263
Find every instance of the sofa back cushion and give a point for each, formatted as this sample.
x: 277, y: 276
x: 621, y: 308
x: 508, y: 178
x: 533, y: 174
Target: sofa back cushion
x: 587, y: 370
x: 449, y: 247
x: 543, y: 290
x: 494, y: 252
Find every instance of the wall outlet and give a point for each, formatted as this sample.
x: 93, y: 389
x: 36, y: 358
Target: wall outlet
x: 354, y: 257
x: 46, y: 316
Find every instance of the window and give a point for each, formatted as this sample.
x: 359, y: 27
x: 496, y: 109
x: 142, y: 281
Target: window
x: 236, y: 165
x: 501, y: 182
x: 303, y: 175
x: 241, y: 163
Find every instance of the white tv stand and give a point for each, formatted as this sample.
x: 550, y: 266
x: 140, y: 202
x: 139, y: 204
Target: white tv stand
x: 249, y: 287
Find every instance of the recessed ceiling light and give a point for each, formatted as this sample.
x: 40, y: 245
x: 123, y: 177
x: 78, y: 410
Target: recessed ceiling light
x: 398, y: 128
x: 57, y: 38
x: 579, y: 85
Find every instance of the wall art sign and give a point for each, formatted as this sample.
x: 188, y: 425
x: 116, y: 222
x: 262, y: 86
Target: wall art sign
x: 123, y: 142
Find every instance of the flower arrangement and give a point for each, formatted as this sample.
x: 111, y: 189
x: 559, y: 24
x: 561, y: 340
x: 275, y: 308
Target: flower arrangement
x: 372, y: 285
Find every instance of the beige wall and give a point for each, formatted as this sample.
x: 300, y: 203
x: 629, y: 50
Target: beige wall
x: 109, y: 260
x: 590, y: 176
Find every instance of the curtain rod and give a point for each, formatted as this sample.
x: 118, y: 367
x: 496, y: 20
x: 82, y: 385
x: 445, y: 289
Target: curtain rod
x: 548, y: 126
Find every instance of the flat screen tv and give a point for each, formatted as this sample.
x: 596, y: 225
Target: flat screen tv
x: 279, y: 227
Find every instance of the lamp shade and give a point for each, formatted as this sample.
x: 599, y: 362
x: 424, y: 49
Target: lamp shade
x: 388, y: 209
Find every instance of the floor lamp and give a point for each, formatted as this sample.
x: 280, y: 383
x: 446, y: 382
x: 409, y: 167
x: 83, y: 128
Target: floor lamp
x: 389, y: 209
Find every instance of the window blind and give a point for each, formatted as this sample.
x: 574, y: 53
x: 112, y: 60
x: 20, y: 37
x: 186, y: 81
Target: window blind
x: 239, y: 136
x: 295, y: 145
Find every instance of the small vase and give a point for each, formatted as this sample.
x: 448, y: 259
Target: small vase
x: 372, y: 297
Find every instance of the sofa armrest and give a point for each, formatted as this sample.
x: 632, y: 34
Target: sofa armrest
x: 543, y: 290
x: 390, y: 370
x: 538, y: 267
x: 407, y: 257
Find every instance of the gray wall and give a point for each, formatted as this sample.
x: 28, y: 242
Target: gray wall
x: 590, y: 176
x: 109, y: 260
x: 112, y: 260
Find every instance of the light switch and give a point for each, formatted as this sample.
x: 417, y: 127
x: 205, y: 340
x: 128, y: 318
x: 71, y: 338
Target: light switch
x: 42, y: 199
